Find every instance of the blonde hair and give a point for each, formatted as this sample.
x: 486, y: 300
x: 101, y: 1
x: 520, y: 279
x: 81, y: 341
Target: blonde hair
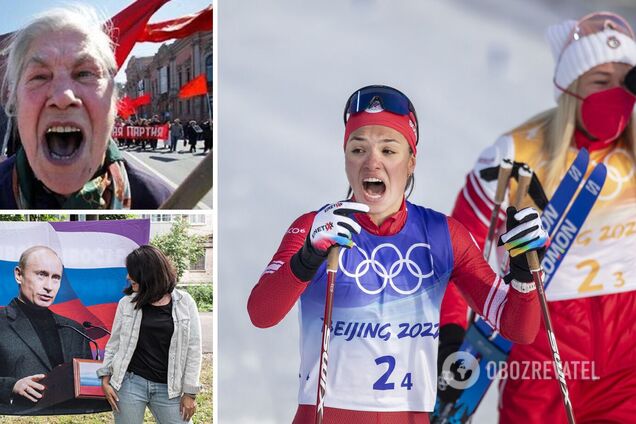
x: 558, y: 125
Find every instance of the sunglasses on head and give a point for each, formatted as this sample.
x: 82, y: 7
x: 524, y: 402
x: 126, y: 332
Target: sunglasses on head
x: 598, y: 22
x: 380, y: 96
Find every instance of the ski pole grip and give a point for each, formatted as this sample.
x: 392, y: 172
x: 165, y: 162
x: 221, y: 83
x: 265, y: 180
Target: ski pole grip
x: 332, y: 258
x: 505, y: 169
x: 525, y: 176
x: 533, y: 261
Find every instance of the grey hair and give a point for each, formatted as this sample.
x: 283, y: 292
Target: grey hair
x: 77, y: 17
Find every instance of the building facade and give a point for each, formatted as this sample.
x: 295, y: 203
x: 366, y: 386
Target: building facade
x: 201, y: 225
x: 163, y: 74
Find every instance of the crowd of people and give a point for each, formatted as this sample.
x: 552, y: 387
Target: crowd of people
x: 191, y: 133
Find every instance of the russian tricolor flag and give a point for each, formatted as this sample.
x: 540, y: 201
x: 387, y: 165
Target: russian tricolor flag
x: 93, y: 254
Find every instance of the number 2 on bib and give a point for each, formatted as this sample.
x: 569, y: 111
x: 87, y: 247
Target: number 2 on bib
x: 383, y: 383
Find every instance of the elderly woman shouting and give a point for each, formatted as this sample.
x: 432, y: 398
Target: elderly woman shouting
x: 60, y: 89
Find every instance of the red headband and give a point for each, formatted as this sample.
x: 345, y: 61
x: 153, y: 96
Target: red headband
x: 401, y: 123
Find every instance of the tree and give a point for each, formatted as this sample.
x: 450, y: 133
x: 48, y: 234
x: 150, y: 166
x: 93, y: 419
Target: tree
x: 180, y: 246
x: 34, y: 217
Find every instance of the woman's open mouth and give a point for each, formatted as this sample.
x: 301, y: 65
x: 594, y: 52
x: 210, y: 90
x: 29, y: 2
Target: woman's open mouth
x: 63, y: 142
x: 374, y: 188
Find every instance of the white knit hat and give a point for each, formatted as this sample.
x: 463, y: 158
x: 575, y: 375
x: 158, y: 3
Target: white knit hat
x: 587, y: 52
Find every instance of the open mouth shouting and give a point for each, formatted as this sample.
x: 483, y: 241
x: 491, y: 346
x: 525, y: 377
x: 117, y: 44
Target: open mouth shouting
x: 374, y: 188
x: 63, y: 142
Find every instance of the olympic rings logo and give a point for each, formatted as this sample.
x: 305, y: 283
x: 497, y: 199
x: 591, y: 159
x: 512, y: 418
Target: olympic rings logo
x: 614, y: 174
x: 393, y: 271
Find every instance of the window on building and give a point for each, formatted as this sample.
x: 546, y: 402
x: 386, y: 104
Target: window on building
x: 208, y: 69
x: 155, y: 218
x: 197, y: 219
x: 199, y: 265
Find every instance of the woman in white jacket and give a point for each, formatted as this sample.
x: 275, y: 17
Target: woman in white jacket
x: 153, y: 357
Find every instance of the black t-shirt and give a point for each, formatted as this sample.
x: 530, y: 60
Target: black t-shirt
x: 150, y: 359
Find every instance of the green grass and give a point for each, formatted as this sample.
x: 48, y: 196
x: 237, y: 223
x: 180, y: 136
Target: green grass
x: 202, y: 416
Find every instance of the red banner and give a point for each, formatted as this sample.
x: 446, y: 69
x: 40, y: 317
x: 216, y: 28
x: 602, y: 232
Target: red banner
x: 196, y: 87
x: 141, y: 100
x: 125, y: 107
x: 141, y: 132
x: 130, y: 24
x: 178, y: 28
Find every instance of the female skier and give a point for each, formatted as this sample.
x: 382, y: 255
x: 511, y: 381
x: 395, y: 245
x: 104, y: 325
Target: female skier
x: 393, y: 272
x: 592, y: 298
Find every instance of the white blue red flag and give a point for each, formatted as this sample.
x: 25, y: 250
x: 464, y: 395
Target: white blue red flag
x: 93, y: 254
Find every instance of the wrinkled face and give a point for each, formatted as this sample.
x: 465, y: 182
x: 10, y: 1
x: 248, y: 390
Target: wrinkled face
x: 600, y: 78
x: 65, y: 110
x: 40, y: 279
x: 378, y: 162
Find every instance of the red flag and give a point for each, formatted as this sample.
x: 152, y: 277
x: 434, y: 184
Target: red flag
x: 125, y: 107
x: 141, y: 100
x: 178, y: 28
x: 196, y: 87
x: 129, y: 25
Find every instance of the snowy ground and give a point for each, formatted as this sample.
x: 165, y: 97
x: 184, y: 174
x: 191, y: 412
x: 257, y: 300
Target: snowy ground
x: 473, y: 69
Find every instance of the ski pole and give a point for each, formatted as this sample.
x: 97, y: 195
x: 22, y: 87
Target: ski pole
x: 535, y: 269
x: 332, y: 268
x: 525, y: 176
x: 505, y: 169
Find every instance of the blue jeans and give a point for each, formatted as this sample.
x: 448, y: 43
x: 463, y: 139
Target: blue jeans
x: 136, y: 393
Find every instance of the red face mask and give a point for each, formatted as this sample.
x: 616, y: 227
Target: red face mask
x: 605, y: 114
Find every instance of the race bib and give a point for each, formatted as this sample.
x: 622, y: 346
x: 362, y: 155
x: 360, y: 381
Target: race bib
x: 602, y: 259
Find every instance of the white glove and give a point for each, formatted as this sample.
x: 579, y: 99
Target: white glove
x: 332, y: 225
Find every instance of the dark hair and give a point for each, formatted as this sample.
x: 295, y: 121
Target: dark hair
x: 153, y: 271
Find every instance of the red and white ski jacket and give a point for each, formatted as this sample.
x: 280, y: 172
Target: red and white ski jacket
x: 592, y: 297
x: 515, y: 314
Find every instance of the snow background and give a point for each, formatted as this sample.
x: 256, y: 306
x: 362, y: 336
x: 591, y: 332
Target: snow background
x: 473, y: 69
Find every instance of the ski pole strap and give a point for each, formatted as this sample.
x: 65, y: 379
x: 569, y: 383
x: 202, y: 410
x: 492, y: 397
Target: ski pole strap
x: 535, y: 190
